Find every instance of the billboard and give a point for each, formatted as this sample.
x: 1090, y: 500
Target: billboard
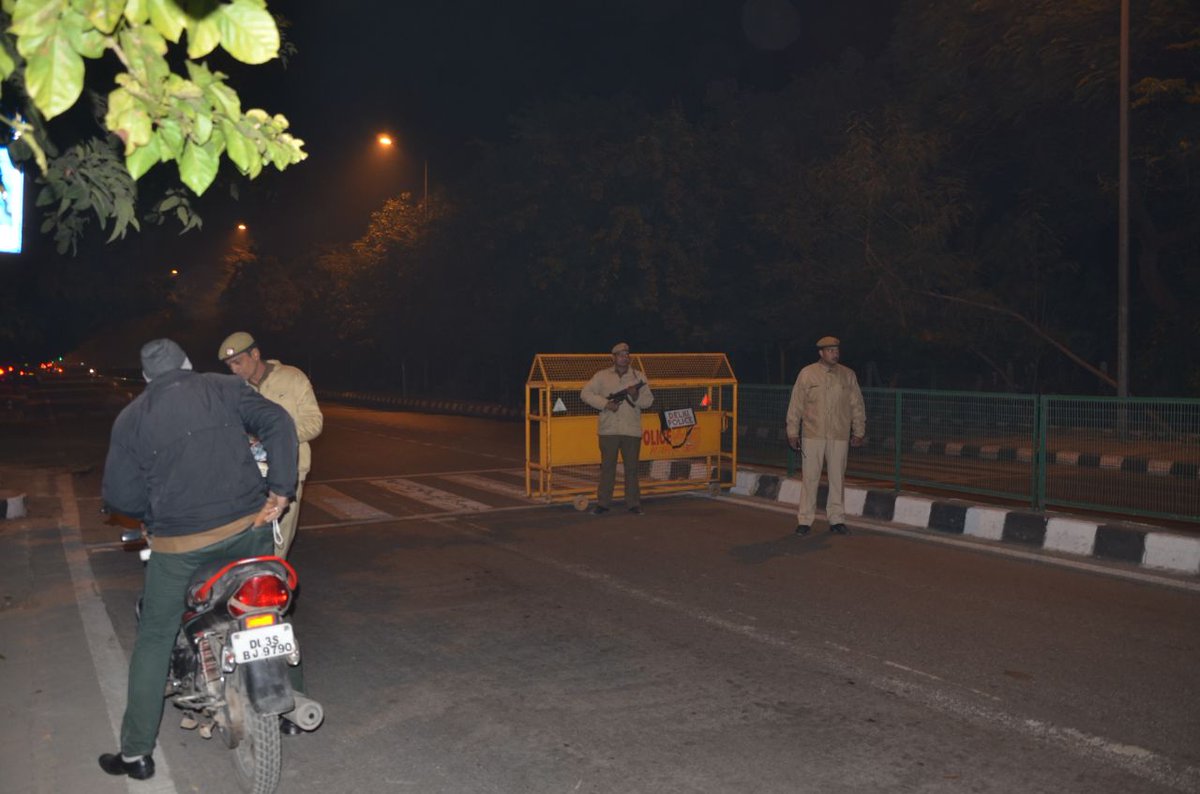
x: 12, y: 205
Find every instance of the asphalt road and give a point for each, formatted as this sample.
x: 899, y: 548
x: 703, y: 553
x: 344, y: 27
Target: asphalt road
x: 463, y: 640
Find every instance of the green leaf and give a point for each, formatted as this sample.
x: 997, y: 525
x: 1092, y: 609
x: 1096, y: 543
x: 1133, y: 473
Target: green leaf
x: 248, y: 32
x: 202, y: 127
x: 224, y: 99
x: 280, y: 153
x: 170, y: 137
x: 105, y: 14
x: 90, y: 43
x: 242, y: 150
x: 119, y: 101
x: 180, y: 88
x: 133, y: 127
x: 203, y: 36
x: 143, y: 39
x: 198, y: 167
x: 34, y: 18
x: 167, y: 18
x: 199, y: 74
x: 54, y: 75
x: 137, y: 12
x: 7, y: 65
x: 143, y: 159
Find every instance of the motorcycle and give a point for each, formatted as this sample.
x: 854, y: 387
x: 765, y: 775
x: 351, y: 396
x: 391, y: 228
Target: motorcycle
x: 228, y: 671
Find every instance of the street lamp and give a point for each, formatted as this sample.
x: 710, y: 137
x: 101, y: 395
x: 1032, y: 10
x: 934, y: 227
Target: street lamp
x: 387, y: 141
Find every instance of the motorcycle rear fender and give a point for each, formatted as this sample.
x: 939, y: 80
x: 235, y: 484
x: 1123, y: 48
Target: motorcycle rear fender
x: 267, y: 686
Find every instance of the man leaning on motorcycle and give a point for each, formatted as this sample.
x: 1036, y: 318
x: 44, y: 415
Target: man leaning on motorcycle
x: 179, y: 462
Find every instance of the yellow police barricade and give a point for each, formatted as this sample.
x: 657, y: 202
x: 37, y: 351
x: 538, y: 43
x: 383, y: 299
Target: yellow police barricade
x: 688, y: 438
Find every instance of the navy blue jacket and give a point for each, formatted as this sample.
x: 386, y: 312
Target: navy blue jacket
x: 179, y: 460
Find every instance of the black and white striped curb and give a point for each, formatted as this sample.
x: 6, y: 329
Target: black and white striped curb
x: 1071, y: 535
x: 1132, y: 464
x: 12, y: 504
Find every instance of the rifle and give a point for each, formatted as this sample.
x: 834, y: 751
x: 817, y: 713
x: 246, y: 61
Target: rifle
x: 617, y: 396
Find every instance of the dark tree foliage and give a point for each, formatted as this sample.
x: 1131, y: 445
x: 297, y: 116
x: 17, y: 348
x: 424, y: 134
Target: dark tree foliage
x: 948, y: 209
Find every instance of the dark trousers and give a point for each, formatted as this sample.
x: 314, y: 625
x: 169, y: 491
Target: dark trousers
x: 167, y: 578
x: 630, y: 448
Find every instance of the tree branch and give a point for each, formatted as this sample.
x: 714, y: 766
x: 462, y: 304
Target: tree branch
x: 1059, y: 346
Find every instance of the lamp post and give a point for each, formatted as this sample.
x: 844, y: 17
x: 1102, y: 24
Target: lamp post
x: 1123, y: 213
x: 383, y: 139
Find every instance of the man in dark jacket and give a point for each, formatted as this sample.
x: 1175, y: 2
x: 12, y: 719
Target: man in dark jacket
x: 178, y: 460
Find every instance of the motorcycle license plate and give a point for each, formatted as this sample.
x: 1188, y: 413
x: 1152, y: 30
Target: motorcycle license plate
x: 266, y: 642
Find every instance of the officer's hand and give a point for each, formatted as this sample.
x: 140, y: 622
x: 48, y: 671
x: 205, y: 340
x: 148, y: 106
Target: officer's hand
x: 272, y: 510
x: 794, y: 442
x: 613, y: 405
x: 633, y: 390
x: 856, y: 441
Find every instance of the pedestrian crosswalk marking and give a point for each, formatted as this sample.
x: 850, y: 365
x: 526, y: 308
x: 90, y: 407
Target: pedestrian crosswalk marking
x: 427, y: 494
x: 487, y: 484
x: 338, y: 504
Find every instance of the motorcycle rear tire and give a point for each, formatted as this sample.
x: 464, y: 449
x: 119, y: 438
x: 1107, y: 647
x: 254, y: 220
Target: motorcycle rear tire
x: 258, y: 759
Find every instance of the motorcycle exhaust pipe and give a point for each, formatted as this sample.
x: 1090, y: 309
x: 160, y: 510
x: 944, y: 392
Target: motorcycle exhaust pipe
x: 308, y: 713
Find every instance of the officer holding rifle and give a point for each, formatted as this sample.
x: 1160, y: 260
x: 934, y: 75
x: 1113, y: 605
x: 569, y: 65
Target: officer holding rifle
x: 620, y: 393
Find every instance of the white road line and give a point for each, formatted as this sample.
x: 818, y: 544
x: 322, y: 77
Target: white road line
x: 370, y: 477
x: 338, y: 504
x: 1138, y: 761
x: 486, y: 484
x: 424, y: 517
x: 108, y: 658
x: 427, y: 494
x: 914, y: 671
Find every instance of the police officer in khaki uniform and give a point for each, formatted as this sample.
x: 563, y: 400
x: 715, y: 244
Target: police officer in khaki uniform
x: 620, y: 393
x: 827, y: 406
x: 289, y: 387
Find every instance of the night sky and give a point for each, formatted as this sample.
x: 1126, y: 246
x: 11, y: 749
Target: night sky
x: 445, y: 76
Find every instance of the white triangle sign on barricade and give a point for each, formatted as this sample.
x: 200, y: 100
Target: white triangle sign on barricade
x: 560, y: 406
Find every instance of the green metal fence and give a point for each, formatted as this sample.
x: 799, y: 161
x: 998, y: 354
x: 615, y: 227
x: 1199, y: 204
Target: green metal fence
x: 1137, y: 457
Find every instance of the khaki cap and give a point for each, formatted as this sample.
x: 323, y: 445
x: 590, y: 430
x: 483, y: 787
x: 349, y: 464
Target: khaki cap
x: 620, y: 347
x: 829, y: 341
x: 235, y: 344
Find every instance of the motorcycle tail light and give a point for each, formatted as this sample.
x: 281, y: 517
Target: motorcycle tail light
x: 260, y: 592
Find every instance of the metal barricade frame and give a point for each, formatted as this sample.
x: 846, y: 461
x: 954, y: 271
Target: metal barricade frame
x: 561, y: 450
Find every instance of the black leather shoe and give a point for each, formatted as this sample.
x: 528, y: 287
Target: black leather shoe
x: 803, y: 529
x: 599, y: 510
x: 637, y: 511
x: 839, y: 529
x: 289, y: 728
x: 141, y: 769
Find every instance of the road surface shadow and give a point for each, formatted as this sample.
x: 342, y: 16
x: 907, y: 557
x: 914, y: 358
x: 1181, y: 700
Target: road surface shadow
x: 790, y: 545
